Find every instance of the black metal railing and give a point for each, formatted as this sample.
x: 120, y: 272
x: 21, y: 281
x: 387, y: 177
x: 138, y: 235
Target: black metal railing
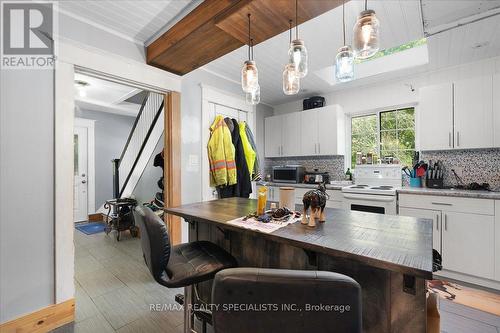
x: 142, y: 128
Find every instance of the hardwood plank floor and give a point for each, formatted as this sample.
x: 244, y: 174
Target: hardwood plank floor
x: 114, y: 290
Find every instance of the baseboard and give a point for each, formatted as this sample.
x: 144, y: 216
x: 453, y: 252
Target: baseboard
x: 477, y: 281
x: 43, y: 320
x: 97, y: 217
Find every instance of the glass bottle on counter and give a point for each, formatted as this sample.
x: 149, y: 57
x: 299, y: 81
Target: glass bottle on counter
x: 348, y: 174
x: 261, y: 200
x: 359, y: 156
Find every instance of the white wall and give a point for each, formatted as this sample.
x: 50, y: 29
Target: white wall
x: 396, y: 92
x: 27, y: 206
x: 26, y: 191
x: 147, y: 186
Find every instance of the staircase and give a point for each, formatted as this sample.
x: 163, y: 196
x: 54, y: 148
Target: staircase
x: 146, y: 131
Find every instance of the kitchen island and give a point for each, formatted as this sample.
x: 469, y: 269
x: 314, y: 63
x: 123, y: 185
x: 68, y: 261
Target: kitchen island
x: 389, y: 256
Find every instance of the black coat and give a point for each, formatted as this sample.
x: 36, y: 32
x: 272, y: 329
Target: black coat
x: 243, y: 186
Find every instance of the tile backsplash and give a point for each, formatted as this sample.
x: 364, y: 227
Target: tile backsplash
x: 474, y: 165
x: 334, y: 165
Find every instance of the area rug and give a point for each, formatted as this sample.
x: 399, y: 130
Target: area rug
x: 90, y: 228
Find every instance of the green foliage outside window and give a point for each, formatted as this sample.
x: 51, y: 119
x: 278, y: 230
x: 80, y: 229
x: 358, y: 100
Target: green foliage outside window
x: 389, y: 133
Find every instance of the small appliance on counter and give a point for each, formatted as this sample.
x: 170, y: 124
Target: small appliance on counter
x: 316, y: 177
x: 288, y: 174
x: 313, y: 102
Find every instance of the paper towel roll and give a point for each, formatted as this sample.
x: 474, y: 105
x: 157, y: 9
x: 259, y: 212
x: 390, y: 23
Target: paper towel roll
x: 287, y: 197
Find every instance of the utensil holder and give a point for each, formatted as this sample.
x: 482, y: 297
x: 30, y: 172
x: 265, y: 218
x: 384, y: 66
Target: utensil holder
x: 416, y: 182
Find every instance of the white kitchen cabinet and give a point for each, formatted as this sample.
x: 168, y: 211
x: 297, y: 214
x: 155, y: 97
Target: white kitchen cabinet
x: 468, y: 243
x: 497, y: 240
x: 473, y: 113
x: 290, y: 140
x: 322, y: 131
x: 436, y: 117
x: 273, y: 135
x: 309, y: 133
x: 434, y: 215
x: 496, y: 110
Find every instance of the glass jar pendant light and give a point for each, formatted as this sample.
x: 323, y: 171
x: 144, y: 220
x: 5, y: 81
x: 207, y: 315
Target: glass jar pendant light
x: 249, y: 72
x: 297, y: 53
x: 253, y: 97
x: 366, y: 34
x: 344, y: 61
x: 291, y: 81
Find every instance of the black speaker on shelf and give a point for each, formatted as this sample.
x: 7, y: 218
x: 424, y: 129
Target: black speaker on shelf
x: 313, y: 102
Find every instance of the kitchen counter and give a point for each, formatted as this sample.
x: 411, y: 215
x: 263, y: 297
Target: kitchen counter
x: 389, y: 256
x: 335, y: 186
x: 451, y: 193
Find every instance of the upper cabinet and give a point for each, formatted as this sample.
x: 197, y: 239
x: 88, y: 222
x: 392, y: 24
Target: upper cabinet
x: 436, y: 117
x: 459, y: 115
x: 473, y: 113
x: 496, y: 110
x: 315, y: 132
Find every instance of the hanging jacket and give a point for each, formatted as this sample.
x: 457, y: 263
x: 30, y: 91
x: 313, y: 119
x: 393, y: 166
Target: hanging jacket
x: 256, y: 175
x: 221, y: 154
x: 243, y: 187
x: 250, y: 153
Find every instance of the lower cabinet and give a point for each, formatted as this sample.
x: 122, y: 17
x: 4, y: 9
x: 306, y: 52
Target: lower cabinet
x: 468, y: 243
x: 463, y: 233
x: 434, y: 215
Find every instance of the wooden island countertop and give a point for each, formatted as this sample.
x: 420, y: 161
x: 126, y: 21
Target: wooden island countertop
x: 395, y: 243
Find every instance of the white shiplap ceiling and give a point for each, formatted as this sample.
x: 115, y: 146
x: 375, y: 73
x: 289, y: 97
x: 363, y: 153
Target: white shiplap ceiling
x: 401, y: 21
x: 138, y: 21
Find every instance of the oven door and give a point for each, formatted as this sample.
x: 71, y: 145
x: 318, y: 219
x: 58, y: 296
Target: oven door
x: 370, y: 203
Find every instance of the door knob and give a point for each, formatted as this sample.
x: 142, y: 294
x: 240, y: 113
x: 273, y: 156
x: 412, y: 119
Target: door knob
x: 84, y: 181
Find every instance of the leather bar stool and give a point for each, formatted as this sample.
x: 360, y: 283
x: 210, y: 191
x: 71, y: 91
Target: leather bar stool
x: 269, y: 300
x: 180, y: 265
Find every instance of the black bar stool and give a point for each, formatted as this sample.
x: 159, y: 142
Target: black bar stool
x: 278, y: 300
x: 180, y: 265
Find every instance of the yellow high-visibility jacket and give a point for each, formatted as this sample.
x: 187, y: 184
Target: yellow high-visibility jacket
x: 221, y: 154
x: 250, y: 154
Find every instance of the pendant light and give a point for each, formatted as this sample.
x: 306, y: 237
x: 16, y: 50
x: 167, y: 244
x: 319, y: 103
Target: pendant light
x: 344, y: 61
x: 366, y: 34
x: 253, y: 97
x: 291, y: 81
x: 298, y: 53
x: 249, y: 72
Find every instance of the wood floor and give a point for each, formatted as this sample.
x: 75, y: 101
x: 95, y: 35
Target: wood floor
x: 114, y: 289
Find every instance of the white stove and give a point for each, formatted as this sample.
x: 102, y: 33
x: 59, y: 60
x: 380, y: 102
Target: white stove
x: 374, y: 189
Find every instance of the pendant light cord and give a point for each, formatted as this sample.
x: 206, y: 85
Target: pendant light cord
x: 251, y: 47
x: 249, y: 38
x: 296, y: 19
x: 290, y: 30
x: 343, y: 19
x: 366, y: 4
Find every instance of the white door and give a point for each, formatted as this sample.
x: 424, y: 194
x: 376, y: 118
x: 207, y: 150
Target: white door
x: 80, y: 197
x: 434, y: 215
x: 273, y: 136
x: 473, y: 113
x: 468, y: 243
x: 210, y: 193
x: 436, y: 117
x: 290, y: 134
x: 309, y: 133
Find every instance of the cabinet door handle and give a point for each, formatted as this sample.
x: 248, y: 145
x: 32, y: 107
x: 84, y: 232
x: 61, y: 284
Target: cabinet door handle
x: 319, y: 148
x: 315, y: 151
x: 441, y: 203
x: 458, y: 139
x: 449, y: 139
x: 437, y: 221
x: 445, y: 222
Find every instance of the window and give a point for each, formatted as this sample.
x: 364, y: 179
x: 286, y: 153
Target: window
x: 387, y: 133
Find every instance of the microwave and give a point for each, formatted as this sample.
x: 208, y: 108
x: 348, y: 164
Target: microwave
x: 288, y: 174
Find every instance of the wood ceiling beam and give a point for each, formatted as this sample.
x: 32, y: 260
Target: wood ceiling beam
x: 217, y: 27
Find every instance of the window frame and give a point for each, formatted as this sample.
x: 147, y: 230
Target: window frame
x: 377, y: 112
